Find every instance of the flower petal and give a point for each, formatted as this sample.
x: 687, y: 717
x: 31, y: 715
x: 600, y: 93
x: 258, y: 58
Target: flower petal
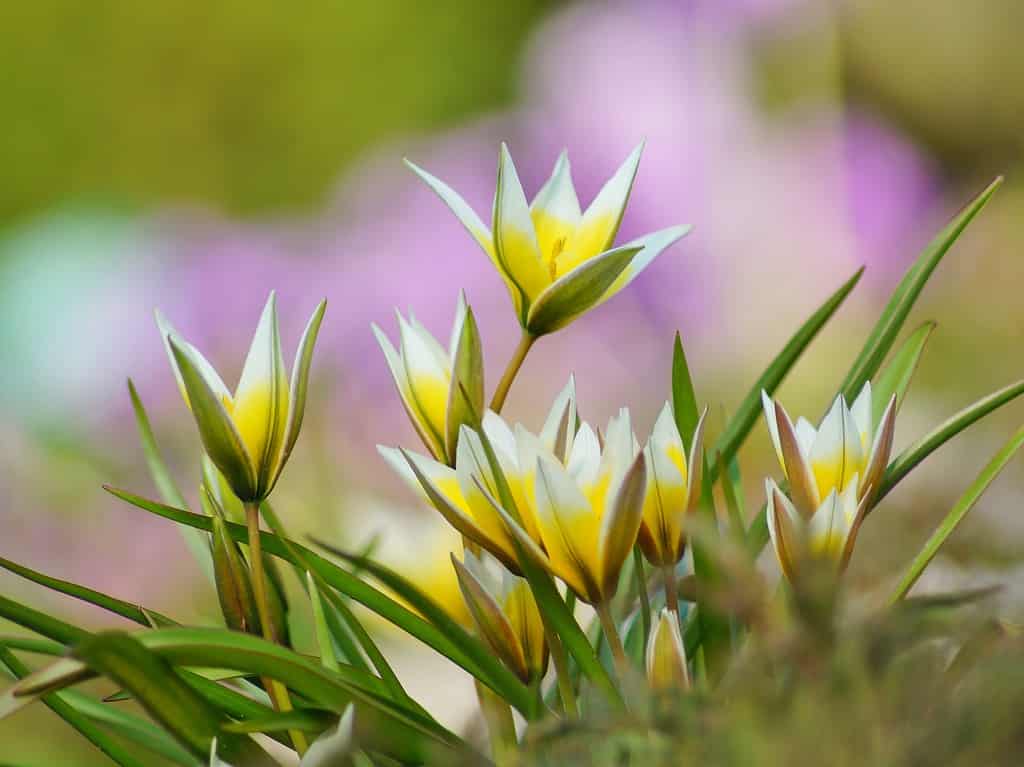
x: 466, y: 389
x: 300, y: 382
x: 212, y: 378
x: 878, y: 459
x: 556, y: 211
x: 861, y: 412
x: 836, y: 455
x: 665, y: 657
x: 652, y: 245
x: 802, y: 485
x: 515, y: 240
x: 260, y: 410
x: 560, y: 426
x: 570, y: 529
x: 575, y: 292
x: 397, y: 367
x: 466, y: 215
x: 428, y: 377
x: 600, y: 222
x: 621, y: 524
x: 221, y: 439
x: 783, y: 528
x: 771, y: 419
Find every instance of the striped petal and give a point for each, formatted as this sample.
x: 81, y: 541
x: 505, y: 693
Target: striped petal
x: 881, y: 449
x: 802, y: 483
x: 666, y: 493
x: 515, y: 240
x: 208, y: 372
x: 665, y: 657
x: 600, y: 222
x: 620, y: 525
x: 570, y: 529
x: 260, y: 410
x: 220, y: 437
x: 784, y: 528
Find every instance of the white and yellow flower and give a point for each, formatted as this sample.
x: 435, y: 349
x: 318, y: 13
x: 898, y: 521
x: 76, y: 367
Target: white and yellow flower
x: 665, y: 659
x: 505, y: 613
x: 587, y: 510
x: 828, y: 533
x: 440, y: 389
x: 673, y: 489
x: 846, y: 446
x: 249, y: 434
x: 460, y: 493
x: 557, y: 260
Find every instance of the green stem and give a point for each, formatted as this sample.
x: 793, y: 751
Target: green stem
x: 277, y: 691
x: 611, y: 633
x: 561, y: 661
x: 500, y: 725
x: 641, y: 587
x: 525, y: 343
x: 671, y: 596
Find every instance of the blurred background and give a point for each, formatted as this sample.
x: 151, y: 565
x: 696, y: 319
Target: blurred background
x: 193, y: 156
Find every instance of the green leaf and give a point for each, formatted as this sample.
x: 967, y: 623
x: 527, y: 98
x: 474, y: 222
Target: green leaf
x: 420, y: 601
x: 575, y: 292
x: 165, y: 696
x: 732, y: 490
x: 896, y: 376
x: 957, y: 513
x: 684, y: 397
x: 739, y: 426
x: 323, y: 633
x: 40, y: 623
x: 33, y: 645
x: 117, y: 606
x: 906, y: 461
x: 302, y: 719
x: 60, y: 704
x: 472, y: 656
x: 165, y: 484
x: 884, y: 334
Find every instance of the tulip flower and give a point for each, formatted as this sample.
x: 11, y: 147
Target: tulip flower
x: 847, y: 446
x: 456, y: 492
x: 829, y: 533
x: 248, y: 435
x: 441, y: 390
x: 557, y: 261
x: 673, y: 489
x: 505, y: 613
x: 666, y: 655
x: 587, y: 511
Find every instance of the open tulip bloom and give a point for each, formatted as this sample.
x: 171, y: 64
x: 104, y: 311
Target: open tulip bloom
x: 505, y: 613
x: 456, y: 492
x: 832, y: 473
x: 434, y: 383
x: 673, y: 489
x: 556, y: 260
x: 249, y: 434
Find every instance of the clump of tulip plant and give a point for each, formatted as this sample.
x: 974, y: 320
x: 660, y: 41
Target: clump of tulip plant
x: 608, y: 572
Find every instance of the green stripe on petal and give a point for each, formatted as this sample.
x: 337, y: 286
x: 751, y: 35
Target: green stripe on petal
x: 216, y: 429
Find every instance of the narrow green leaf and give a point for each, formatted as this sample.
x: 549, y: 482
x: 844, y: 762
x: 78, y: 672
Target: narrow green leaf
x: 884, y: 334
x: 60, y: 705
x: 93, y: 597
x: 165, y: 696
x: 732, y: 490
x: 165, y: 484
x: 40, y: 623
x: 473, y: 659
x: 574, y: 293
x: 896, y: 376
x: 684, y: 397
x: 957, y: 513
x: 746, y: 415
x: 302, y: 719
x: 33, y: 645
x: 906, y: 461
x: 323, y: 633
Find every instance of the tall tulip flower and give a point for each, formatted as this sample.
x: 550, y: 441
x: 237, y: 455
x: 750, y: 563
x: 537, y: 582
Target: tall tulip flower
x: 434, y: 384
x: 556, y: 260
x: 505, y: 613
x: 832, y: 472
x: 248, y: 435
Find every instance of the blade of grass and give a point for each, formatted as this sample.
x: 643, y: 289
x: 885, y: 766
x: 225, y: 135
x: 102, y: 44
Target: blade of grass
x: 896, y: 376
x: 957, y: 514
x: 884, y: 334
x: 60, y: 705
x: 166, y: 487
x: 472, y: 656
x: 746, y: 415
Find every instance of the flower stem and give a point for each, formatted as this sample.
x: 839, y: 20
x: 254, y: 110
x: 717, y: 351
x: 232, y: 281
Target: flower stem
x: 671, y: 596
x: 641, y: 587
x: 525, y: 342
x: 611, y: 633
x: 561, y: 661
x: 278, y: 692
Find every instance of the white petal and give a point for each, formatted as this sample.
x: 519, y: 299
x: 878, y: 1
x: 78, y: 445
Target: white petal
x: 654, y: 245
x: 557, y: 197
x: 466, y: 215
x: 566, y: 400
x: 773, y: 426
x: 515, y: 239
x: 585, y: 459
x: 460, y: 317
x: 861, y: 412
